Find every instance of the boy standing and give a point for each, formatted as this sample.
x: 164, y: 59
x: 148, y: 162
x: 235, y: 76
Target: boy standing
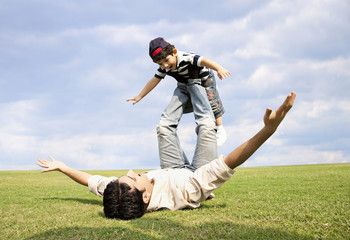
x: 196, y: 91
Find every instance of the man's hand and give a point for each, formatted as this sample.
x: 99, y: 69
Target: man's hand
x: 273, y: 119
x: 76, y: 175
x: 51, y: 166
x: 134, y: 99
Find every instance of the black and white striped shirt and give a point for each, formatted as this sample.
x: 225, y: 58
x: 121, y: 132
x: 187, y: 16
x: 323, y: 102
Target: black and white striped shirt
x: 184, y: 59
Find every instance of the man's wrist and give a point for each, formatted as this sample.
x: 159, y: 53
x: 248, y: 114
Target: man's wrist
x: 64, y: 168
x: 268, y: 130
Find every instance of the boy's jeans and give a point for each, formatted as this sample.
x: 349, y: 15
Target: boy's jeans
x: 170, y: 152
x: 212, y: 92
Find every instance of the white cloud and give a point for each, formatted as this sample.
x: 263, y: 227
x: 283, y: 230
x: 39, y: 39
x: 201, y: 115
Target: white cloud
x: 264, y: 77
x: 84, y: 151
x: 109, y: 76
x: 296, y: 155
x: 322, y: 110
x: 17, y: 114
x: 118, y: 35
x: 88, y: 70
x: 98, y: 151
x: 252, y: 51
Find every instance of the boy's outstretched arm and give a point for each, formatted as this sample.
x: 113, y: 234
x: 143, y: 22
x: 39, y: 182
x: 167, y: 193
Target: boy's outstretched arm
x: 222, y: 72
x: 149, y: 87
x: 76, y: 175
x: 271, y: 121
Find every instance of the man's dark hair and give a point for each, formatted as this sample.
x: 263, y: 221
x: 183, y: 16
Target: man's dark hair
x: 168, y: 50
x: 119, y: 201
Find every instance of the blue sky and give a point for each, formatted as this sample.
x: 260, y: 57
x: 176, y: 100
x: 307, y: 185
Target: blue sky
x: 68, y: 66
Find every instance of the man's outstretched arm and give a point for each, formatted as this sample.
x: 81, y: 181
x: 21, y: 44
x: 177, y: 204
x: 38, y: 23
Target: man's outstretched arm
x: 271, y: 120
x: 76, y: 175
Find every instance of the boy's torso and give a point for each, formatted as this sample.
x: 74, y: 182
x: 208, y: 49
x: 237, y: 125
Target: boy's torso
x: 184, y: 59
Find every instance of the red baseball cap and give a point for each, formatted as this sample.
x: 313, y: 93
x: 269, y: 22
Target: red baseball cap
x: 156, y: 46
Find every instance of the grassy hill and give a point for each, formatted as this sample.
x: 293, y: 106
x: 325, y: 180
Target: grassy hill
x: 285, y: 202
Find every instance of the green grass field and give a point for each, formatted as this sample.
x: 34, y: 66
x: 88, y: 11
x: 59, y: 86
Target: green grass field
x: 288, y: 202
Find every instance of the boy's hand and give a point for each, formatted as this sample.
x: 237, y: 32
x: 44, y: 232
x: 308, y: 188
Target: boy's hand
x: 51, y: 166
x: 273, y: 119
x: 223, y: 73
x: 135, y: 99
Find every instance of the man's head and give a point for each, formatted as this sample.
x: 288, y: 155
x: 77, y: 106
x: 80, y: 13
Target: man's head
x: 128, y: 196
x: 163, y: 53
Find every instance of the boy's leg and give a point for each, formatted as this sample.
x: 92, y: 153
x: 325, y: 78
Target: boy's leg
x: 221, y: 134
x: 170, y: 152
x: 212, y: 90
x: 206, y: 148
x: 218, y: 121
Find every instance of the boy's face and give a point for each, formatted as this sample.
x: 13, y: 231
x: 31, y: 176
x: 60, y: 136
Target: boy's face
x: 170, y: 62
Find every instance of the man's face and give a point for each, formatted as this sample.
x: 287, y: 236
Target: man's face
x: 170, y: 62
x: 139, y: 181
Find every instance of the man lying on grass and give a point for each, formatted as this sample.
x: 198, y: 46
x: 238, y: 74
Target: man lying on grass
x: 132, y: 195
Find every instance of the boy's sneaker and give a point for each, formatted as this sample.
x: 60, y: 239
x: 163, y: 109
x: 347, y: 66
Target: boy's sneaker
x: 221, y: 135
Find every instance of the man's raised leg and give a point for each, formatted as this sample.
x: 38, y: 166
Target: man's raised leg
x: 170, y: 152
x: 206, y: 147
